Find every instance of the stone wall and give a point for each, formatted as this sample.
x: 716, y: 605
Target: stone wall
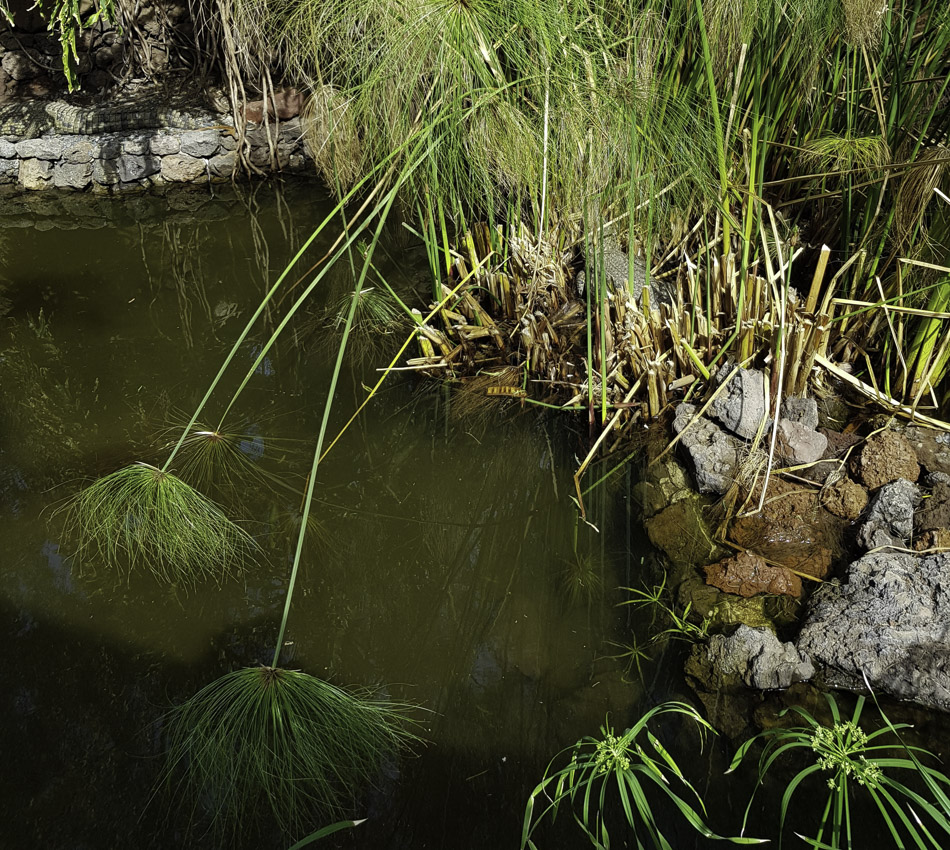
x: 117, y: 162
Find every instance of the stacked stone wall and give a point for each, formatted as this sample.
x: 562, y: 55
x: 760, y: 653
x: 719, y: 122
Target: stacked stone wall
x: 116, y: 162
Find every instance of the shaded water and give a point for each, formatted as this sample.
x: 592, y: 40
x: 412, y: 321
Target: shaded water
x: 440, y: 568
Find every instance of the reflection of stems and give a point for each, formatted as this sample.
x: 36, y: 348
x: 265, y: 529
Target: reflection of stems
x: 590, y: 455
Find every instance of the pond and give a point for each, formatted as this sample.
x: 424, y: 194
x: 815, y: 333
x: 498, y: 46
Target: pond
x: 446, y: 565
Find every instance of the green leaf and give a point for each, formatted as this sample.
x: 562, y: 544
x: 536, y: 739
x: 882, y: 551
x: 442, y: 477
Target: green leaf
x: 325, y: 831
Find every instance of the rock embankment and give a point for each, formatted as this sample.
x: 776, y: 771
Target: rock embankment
x: 114, y: 162
x: 854, y: 541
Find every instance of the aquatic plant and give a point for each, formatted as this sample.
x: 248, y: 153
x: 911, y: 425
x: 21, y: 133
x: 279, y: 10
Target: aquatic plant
x: 281, y: 742
x: 581, y: 578
x: 225, y: 460
x: 144, y: 516
x: 851, y: 761
x: 118, y: 503
x: 600, y: 770
x: 325, y: 831
x: 679, y: 624
x: 307, y: 747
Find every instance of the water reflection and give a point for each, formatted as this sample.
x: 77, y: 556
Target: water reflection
x: 434, y: 564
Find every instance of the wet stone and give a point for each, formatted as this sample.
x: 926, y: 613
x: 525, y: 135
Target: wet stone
x: 681, y: 532
x: 81, y: 151
x: 890, y: 518
x: 888, y: 620
x: 132, y: 168
x: 223, y: 164
x: 740, y: 406
x: 164, y: 144
x: 104, y: 172
x: 758, y: 658
x: 181, y: 168
x: 934, y: 511
x: 798, y: 444
x: 804, y: 411
x: 49, y: 149
x: 791, y: 530
x: 34, y: 173
x: 135, y: 145
x: 747, y: 574
x: 9, y: 169
x: 931, y: 447
x: 713, y: 453
x: 200, y: 143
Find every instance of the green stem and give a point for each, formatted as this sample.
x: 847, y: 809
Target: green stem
x: 318, y: 451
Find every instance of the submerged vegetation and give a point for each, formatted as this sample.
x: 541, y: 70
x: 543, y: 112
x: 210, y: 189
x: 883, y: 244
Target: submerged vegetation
x: 145, y: 517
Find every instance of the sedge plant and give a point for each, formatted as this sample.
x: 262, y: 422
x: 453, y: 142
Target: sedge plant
x: 613, y: 771
x: 144, y: 516
x: 302, y: 746
x: 851, y: 762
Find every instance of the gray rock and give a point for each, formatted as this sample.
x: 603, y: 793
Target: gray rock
x: 34, y: 173
x: 799, y: 444
x: 135, y: 145
x: 19, y: 67
x: 804, y: 411
x: 9, y: 170
x: 664, y: 482
x: 48, y: 148
x: 740, y: 406
x: 104, y: 172
x: 164, y: 144
x: 72, y: 175
x: 932, y: 448
x: 713, y: 453
x: 200, y: 142
x: 223, y: 164
x: 7, y: 149
x: 291, y: 131
x: 131, y: 167
x: 181, y: 168
x: 890, y: 517
x: 889, y: 621
x: 80, y: 150
x: 759, y: 658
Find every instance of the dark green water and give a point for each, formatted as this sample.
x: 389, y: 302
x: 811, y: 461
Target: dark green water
x: 438, y: 572
x: 442, y: 568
